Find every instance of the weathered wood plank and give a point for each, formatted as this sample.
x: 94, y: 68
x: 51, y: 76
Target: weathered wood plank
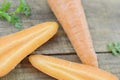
x: 25, y: 71
x: 103, y: 19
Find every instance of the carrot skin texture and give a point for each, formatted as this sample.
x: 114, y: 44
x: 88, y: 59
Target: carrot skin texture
x: 66, y: 70
x: 15, y: 47
x: 71, y: 15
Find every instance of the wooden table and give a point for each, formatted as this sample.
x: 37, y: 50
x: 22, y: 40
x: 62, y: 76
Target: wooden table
x: 103, y: 17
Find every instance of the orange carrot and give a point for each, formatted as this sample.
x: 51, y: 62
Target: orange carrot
x: 71, y: 15
x: 66, y: 70
x: 15, y: 47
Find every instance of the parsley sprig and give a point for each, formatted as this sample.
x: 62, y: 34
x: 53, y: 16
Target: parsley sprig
x: 114, y: 47
x: 13, y: 17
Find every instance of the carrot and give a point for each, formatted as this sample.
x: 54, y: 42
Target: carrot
x: 66, y: 70
x: 71, y: 15
x: 15, y: 47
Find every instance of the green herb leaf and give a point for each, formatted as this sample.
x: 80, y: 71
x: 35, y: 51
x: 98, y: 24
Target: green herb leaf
x: 114, y: 47
x: 5, y: 6
x: 5, y: 16
x: 16, y: 20
x: 23, y: 8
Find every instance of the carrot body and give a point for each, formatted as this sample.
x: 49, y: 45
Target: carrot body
x: 15, y: 47
x: 71, y: 15
x: 66, y: 70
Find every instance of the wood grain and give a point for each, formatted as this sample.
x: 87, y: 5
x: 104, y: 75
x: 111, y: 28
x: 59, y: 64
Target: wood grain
x: 24, y: 71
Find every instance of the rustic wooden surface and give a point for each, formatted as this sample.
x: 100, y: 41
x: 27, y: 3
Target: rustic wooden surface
x: 103, y: 20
